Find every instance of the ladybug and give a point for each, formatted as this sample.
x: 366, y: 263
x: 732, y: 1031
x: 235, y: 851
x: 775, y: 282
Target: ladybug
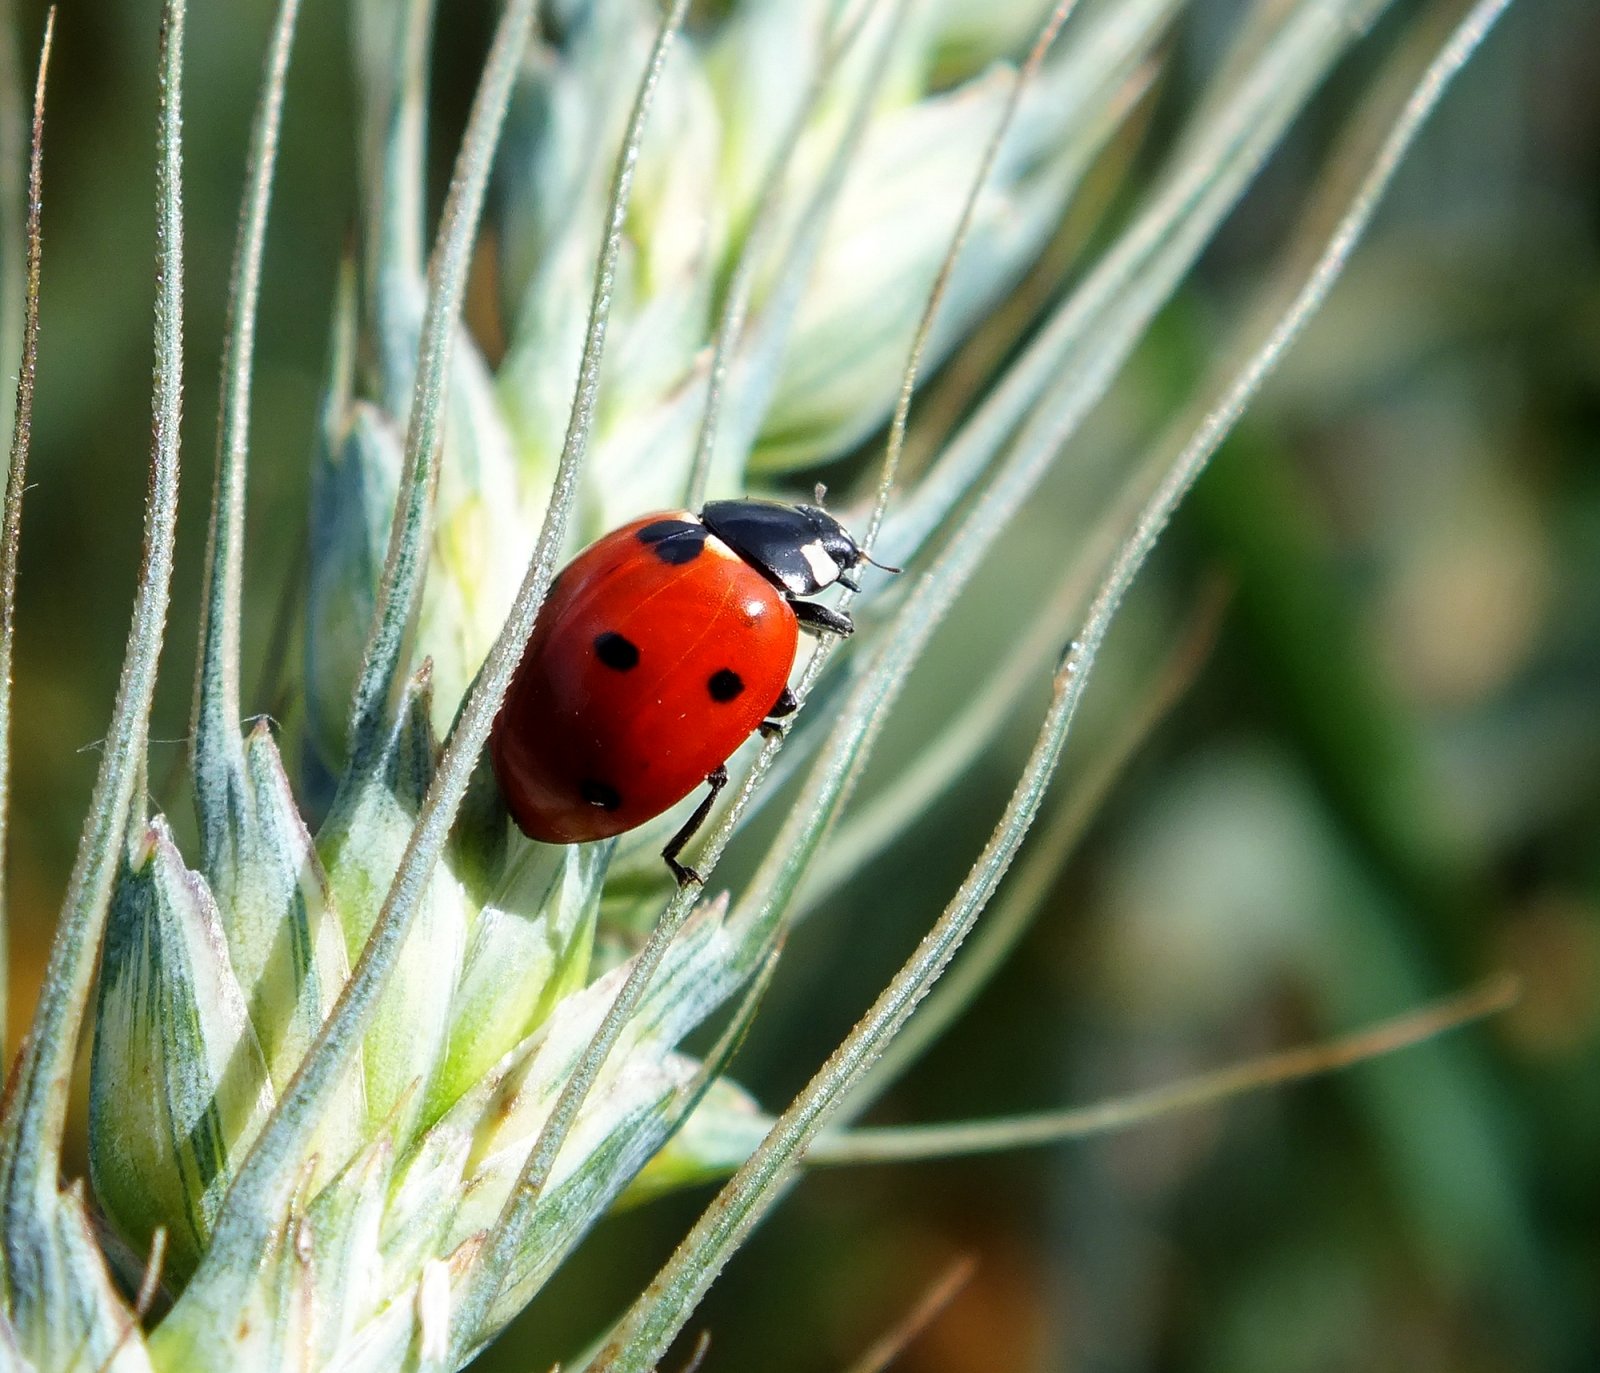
x: 659, y: 649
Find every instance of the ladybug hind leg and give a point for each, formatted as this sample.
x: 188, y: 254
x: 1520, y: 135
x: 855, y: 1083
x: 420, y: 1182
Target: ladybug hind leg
x: 782, y: 708
x: 685, y: 875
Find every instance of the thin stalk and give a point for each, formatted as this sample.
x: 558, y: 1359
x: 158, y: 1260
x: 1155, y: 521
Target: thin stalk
x: 16, y: 484
x: 930, y: 314
x: 875, y: 824
x: 1036, y: 1129
x: 217, y: 752
x: 1014, y: 912
x: 889, y: 1346
x: 30, y: 1135
x: 837, y: 40
x: 410, y: 536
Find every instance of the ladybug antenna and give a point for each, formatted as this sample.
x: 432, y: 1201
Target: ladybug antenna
x: 882, y: 567
x: 819, y: 493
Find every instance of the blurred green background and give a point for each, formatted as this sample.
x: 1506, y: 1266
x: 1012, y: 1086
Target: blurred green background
x: 1382, y: 786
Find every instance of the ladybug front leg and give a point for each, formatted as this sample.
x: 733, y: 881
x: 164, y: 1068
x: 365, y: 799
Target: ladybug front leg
x: 822, y: 619
x: 685, y: 875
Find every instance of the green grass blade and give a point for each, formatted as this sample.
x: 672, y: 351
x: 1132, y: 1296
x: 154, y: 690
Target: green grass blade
x: 1035, y: 1129
x: 941, y: 284
x: 1014, y: 912
x: 13, y: 185
x: 890, y: 812
x: 661, y: 1311
x: 218, y: 751
x: 16, y: 484
x: 30, y: 1137
x: 400, y: 591
x: 836, y: 44
x: 1083, y: 344
x: 394, y: 37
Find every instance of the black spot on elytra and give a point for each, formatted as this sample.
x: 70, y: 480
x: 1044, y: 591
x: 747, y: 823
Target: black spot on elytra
x: 601, y: 794
x: 615, y: 651
x: 725, y: 685
x: 675, y: 542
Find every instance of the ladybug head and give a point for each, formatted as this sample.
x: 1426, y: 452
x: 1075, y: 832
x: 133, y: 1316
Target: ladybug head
x: 837, y: 542
x: 801, y: 548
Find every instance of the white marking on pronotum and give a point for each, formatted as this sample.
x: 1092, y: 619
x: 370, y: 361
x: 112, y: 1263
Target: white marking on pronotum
x: 823, y: 568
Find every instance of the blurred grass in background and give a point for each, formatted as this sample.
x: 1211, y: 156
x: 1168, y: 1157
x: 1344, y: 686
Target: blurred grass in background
x: 1382, y: 786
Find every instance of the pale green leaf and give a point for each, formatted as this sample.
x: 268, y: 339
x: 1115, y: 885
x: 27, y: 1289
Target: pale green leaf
x: 528, y: 949
x: 361, y: 844
x: 172, y: 1018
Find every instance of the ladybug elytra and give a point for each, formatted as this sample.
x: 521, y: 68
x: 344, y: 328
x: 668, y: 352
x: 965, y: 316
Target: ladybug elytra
x: 660, y: 648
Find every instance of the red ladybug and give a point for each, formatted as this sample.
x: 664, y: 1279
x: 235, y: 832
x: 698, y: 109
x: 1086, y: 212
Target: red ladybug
x: 660, y: 648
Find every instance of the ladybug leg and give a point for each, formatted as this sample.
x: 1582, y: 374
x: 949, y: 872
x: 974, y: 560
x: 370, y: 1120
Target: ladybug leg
x: 685, y: 875
x: 822, y: 619
x: 782, y: 708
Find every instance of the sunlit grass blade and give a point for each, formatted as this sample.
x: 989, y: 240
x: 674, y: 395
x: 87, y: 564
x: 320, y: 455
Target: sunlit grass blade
x: 800, y: 253
x: 1042, y: 861
x: 17, y: 471
x: 660, y: 1312
x: 888, y: 813
x: 763, y: 220
x: 405, y: 569
x: 1065, y: 369
x: 392, y: 42
x: 30, y: 1134
x: 217, y: 750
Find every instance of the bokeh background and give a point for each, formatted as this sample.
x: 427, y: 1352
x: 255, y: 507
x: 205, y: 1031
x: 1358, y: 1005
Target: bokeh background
x: 1382, y: 785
